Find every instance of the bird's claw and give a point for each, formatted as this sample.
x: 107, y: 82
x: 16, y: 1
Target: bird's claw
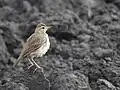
x: 30, y: 66
x: 40, y: 68
x: 35, y: 70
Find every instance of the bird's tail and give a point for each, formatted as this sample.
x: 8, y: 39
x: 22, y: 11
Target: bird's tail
x: 18, y: 60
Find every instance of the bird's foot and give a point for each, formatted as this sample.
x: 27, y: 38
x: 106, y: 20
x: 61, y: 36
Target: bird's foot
x: 40, y: 68
x: 35, y: 67
x: 30, y: 66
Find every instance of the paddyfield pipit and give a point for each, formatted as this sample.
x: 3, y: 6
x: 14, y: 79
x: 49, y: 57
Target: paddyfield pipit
x: 36, y: 46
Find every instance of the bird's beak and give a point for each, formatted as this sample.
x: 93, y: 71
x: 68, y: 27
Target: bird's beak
x: 49, y: 27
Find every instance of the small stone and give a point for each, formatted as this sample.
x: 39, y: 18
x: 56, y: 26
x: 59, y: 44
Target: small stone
x: 99, y: 52
x: 85, y: 37
x: 105, y: 85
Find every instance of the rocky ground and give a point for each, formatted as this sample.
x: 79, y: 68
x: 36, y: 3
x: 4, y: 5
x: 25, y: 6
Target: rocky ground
x: 85, y: 44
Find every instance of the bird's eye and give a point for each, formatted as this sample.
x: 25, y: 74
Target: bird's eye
x: 43, y: 28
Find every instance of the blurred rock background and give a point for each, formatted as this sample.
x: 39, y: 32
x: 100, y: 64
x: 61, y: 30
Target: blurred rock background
x: 85, y: 43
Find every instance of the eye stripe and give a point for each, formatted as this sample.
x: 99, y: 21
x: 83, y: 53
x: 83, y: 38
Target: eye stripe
x: 41, y: 24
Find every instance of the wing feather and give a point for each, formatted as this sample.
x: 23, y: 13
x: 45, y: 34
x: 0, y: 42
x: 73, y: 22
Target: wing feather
x: 34, y: 42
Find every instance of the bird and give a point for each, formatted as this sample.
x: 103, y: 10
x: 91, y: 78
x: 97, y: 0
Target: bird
x: 35, y: 46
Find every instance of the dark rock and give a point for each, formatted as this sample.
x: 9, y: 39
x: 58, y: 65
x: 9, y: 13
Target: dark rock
x: 112, y: 74
x: 26, y: 81
x: 71, y: 81
x: 4, y: 55
x: 64, y: 36
x: 117, y: 3
x: 13, y: 86
x: 109, y: 1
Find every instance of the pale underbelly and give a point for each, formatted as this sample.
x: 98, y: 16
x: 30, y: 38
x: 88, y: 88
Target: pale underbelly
x: 42, y: 50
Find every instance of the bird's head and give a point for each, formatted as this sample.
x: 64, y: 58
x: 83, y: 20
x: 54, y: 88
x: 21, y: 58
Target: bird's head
x: 42, y: 28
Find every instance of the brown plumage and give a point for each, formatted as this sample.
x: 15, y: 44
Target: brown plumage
x: 36, y: 45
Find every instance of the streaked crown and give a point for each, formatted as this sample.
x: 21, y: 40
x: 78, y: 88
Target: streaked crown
x: 41, y: 28
x: 41, y: 24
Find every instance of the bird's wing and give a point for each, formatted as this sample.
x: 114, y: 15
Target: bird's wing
x: 34, y: 42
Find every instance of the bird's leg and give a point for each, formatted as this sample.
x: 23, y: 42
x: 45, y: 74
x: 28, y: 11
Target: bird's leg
x: 35, y: 70
x: 30, y: 63
x: 37, y: 66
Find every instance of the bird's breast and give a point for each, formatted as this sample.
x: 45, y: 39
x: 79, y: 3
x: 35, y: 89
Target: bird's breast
x: 43, y: 49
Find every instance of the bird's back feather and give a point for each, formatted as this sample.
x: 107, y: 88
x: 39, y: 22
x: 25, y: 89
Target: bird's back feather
x: 33, y: 43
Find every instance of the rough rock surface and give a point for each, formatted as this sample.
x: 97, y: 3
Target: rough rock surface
x: 105, y: 85
x: 83, y: 39
x: 71, y: 81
